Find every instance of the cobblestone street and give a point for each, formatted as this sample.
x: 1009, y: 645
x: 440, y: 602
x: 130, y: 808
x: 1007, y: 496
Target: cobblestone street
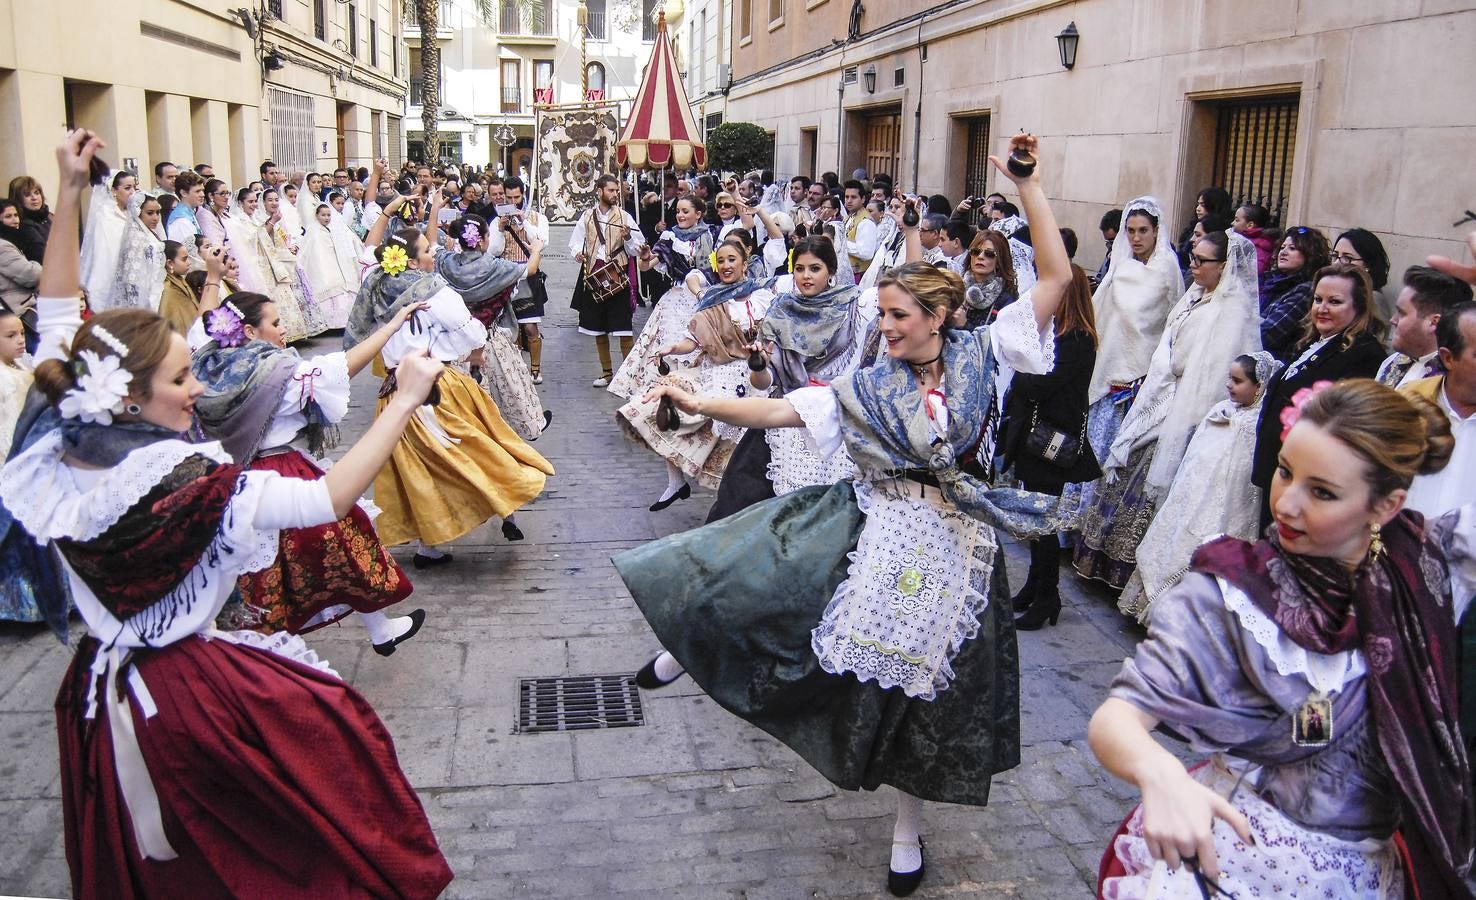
x: 693, y: 804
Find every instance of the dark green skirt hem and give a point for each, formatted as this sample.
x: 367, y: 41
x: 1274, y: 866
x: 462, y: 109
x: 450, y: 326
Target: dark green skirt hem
x: 735, y: 602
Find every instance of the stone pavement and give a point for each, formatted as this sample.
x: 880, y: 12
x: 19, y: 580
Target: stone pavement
x: 693, y: 804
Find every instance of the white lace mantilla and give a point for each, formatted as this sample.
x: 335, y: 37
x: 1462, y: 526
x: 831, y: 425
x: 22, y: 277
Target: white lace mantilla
x: 1287, y: 861
x: 917, y: 583
x: 39, y: 490
x: 1326, y: 672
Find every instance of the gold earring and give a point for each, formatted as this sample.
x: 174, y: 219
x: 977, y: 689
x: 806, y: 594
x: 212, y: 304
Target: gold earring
x: 1375, y: 542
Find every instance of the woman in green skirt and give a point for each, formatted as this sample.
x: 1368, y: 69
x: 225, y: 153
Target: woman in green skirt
x: 888, y: 657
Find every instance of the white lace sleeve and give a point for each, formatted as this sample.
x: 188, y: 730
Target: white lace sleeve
x: 57, y: 321
x: 775, y: 253
x: 291, y: 502
x: 1325, y: 672
x: 324, y: 379
x: 196, y: 337
x: 460, y: 333
x: 1018, y: 343
x: 820, y: 410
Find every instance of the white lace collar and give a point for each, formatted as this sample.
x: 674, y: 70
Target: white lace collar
x: 43, y: 493
x: 1326, y: 672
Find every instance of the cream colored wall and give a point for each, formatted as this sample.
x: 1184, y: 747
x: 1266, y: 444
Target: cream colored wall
x: 155, y: 99
x: 1385, y: 113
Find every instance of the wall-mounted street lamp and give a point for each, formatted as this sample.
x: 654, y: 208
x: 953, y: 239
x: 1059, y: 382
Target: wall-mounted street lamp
x: 870, y: 76
x: 1066, y: 43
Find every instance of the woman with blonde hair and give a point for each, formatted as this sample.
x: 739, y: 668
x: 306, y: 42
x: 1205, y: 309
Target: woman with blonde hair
x: 1340, y: 339
x: 885, y: 653
x: 1321, y: 668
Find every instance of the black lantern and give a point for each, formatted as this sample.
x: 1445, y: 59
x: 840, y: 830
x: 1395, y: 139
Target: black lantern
x: 1066, y: 43
x: 273, y: 61
x: 870, y: 76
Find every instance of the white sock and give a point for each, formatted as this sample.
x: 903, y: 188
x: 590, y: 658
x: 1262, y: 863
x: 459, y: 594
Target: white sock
x: 906, y: 852
x: 667, y: 667
x: 382, y: 629
x: 675, y: 481
x: 429, y: 551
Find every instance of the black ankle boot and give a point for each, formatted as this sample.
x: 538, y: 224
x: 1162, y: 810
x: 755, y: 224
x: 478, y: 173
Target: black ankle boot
x: 1026, y: 596
x: 1046, y: 608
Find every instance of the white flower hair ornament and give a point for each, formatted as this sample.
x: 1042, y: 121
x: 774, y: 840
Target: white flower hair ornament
x: 102, y: 384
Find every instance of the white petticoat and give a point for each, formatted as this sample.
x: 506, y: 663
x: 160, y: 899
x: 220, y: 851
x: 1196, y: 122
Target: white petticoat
x: 918, y: 581
x: 1288, y: 861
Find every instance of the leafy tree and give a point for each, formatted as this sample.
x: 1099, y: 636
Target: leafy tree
x: 739, y: 147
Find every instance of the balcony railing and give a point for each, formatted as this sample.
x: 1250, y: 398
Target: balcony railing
x: 443, y: 13
x: 512, y: 99
x: 596, y: 26
x: 537, y: 23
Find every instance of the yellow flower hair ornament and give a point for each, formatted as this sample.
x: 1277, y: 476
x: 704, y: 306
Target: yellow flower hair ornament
x: 789, y: 263
x: 394, y: 260
x: 712, y: 260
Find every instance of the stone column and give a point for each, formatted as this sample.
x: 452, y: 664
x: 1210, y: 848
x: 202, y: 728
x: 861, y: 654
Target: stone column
x: 211, y: 137
x: 33, y: 111
x: 170, y: 135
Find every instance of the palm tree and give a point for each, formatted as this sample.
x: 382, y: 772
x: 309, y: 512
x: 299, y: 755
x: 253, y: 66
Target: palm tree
x: 428, y: 13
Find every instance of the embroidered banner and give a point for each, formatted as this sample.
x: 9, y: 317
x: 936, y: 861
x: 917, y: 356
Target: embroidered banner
x: 573, y: 146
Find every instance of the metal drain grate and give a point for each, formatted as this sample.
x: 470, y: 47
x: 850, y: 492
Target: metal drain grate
x: 578, y: 703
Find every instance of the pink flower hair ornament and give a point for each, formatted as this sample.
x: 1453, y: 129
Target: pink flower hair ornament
x: 471, y: 235
x: 1292, y: 413
x: 226, y: 326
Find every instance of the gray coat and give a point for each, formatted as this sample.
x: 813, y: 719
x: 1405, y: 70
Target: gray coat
x: 18, y: 278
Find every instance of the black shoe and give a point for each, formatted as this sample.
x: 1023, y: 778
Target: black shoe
x: 417, y: 618
x: 902, y: 884
x: 430, y: 562
x: 1025, y: 598
x: 511, y: 531
x: 1045, y: 609
x: 682, y: 494
x: 647, y: 677
x: 548, y: 419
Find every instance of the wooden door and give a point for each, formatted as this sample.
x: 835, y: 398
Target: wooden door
x: 883, y: 144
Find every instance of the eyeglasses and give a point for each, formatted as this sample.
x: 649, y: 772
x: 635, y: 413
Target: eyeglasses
x: 1346, y: 259
x: 987, y: 254
x: 1195, y: 261
x: 224, y: 193
x: 727, y: 206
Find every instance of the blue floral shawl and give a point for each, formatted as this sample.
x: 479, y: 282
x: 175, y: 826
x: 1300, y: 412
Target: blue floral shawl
x: 887, y: 431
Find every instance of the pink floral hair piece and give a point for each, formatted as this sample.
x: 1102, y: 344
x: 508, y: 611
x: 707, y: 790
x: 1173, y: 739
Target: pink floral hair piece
x: 1293, y: 412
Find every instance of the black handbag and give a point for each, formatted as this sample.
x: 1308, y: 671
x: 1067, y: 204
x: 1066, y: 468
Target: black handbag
x: 537, y: 285
x: 1047, y: 442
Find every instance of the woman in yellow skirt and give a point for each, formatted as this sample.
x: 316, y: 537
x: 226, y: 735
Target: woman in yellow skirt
x: 458, y: 463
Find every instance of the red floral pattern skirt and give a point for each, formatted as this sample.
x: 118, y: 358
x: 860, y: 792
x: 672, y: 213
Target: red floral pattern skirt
x: 341, y: 564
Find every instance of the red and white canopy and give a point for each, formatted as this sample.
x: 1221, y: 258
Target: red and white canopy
x: 660, y: 131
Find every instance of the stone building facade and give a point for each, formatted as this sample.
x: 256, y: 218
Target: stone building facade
x: 320, y: 83
x: 1334, y: 114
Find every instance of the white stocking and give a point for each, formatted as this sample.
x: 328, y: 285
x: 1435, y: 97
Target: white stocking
x: 675, y: 481
x: 382, y: 629
x: 667, y: 667
x: 906, y: 852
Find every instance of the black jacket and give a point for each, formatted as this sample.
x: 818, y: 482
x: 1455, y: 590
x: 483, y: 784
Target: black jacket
x: 1332, y: 363
x: 1058, y: 398
x: 35, y: 228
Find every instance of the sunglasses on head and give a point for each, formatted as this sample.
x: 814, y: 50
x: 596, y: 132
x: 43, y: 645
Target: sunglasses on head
x: 985, y: 252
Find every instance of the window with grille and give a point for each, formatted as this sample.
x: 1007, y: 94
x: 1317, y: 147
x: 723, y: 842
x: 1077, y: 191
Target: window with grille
x: 292, y: 130
x: 275, y: 8
x: 373, y: 43
x: 648, y: 20
x: 320, y: 19
x: 1255, y: 146
x: 596, y: 28
x: 396, y: 141
x: 353, y: 31
x: 512, y: 86
x: 976, y: 156
x: 713, y: 121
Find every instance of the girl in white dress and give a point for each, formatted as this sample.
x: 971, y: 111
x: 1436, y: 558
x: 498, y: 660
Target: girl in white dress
x: 1211, y: 494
